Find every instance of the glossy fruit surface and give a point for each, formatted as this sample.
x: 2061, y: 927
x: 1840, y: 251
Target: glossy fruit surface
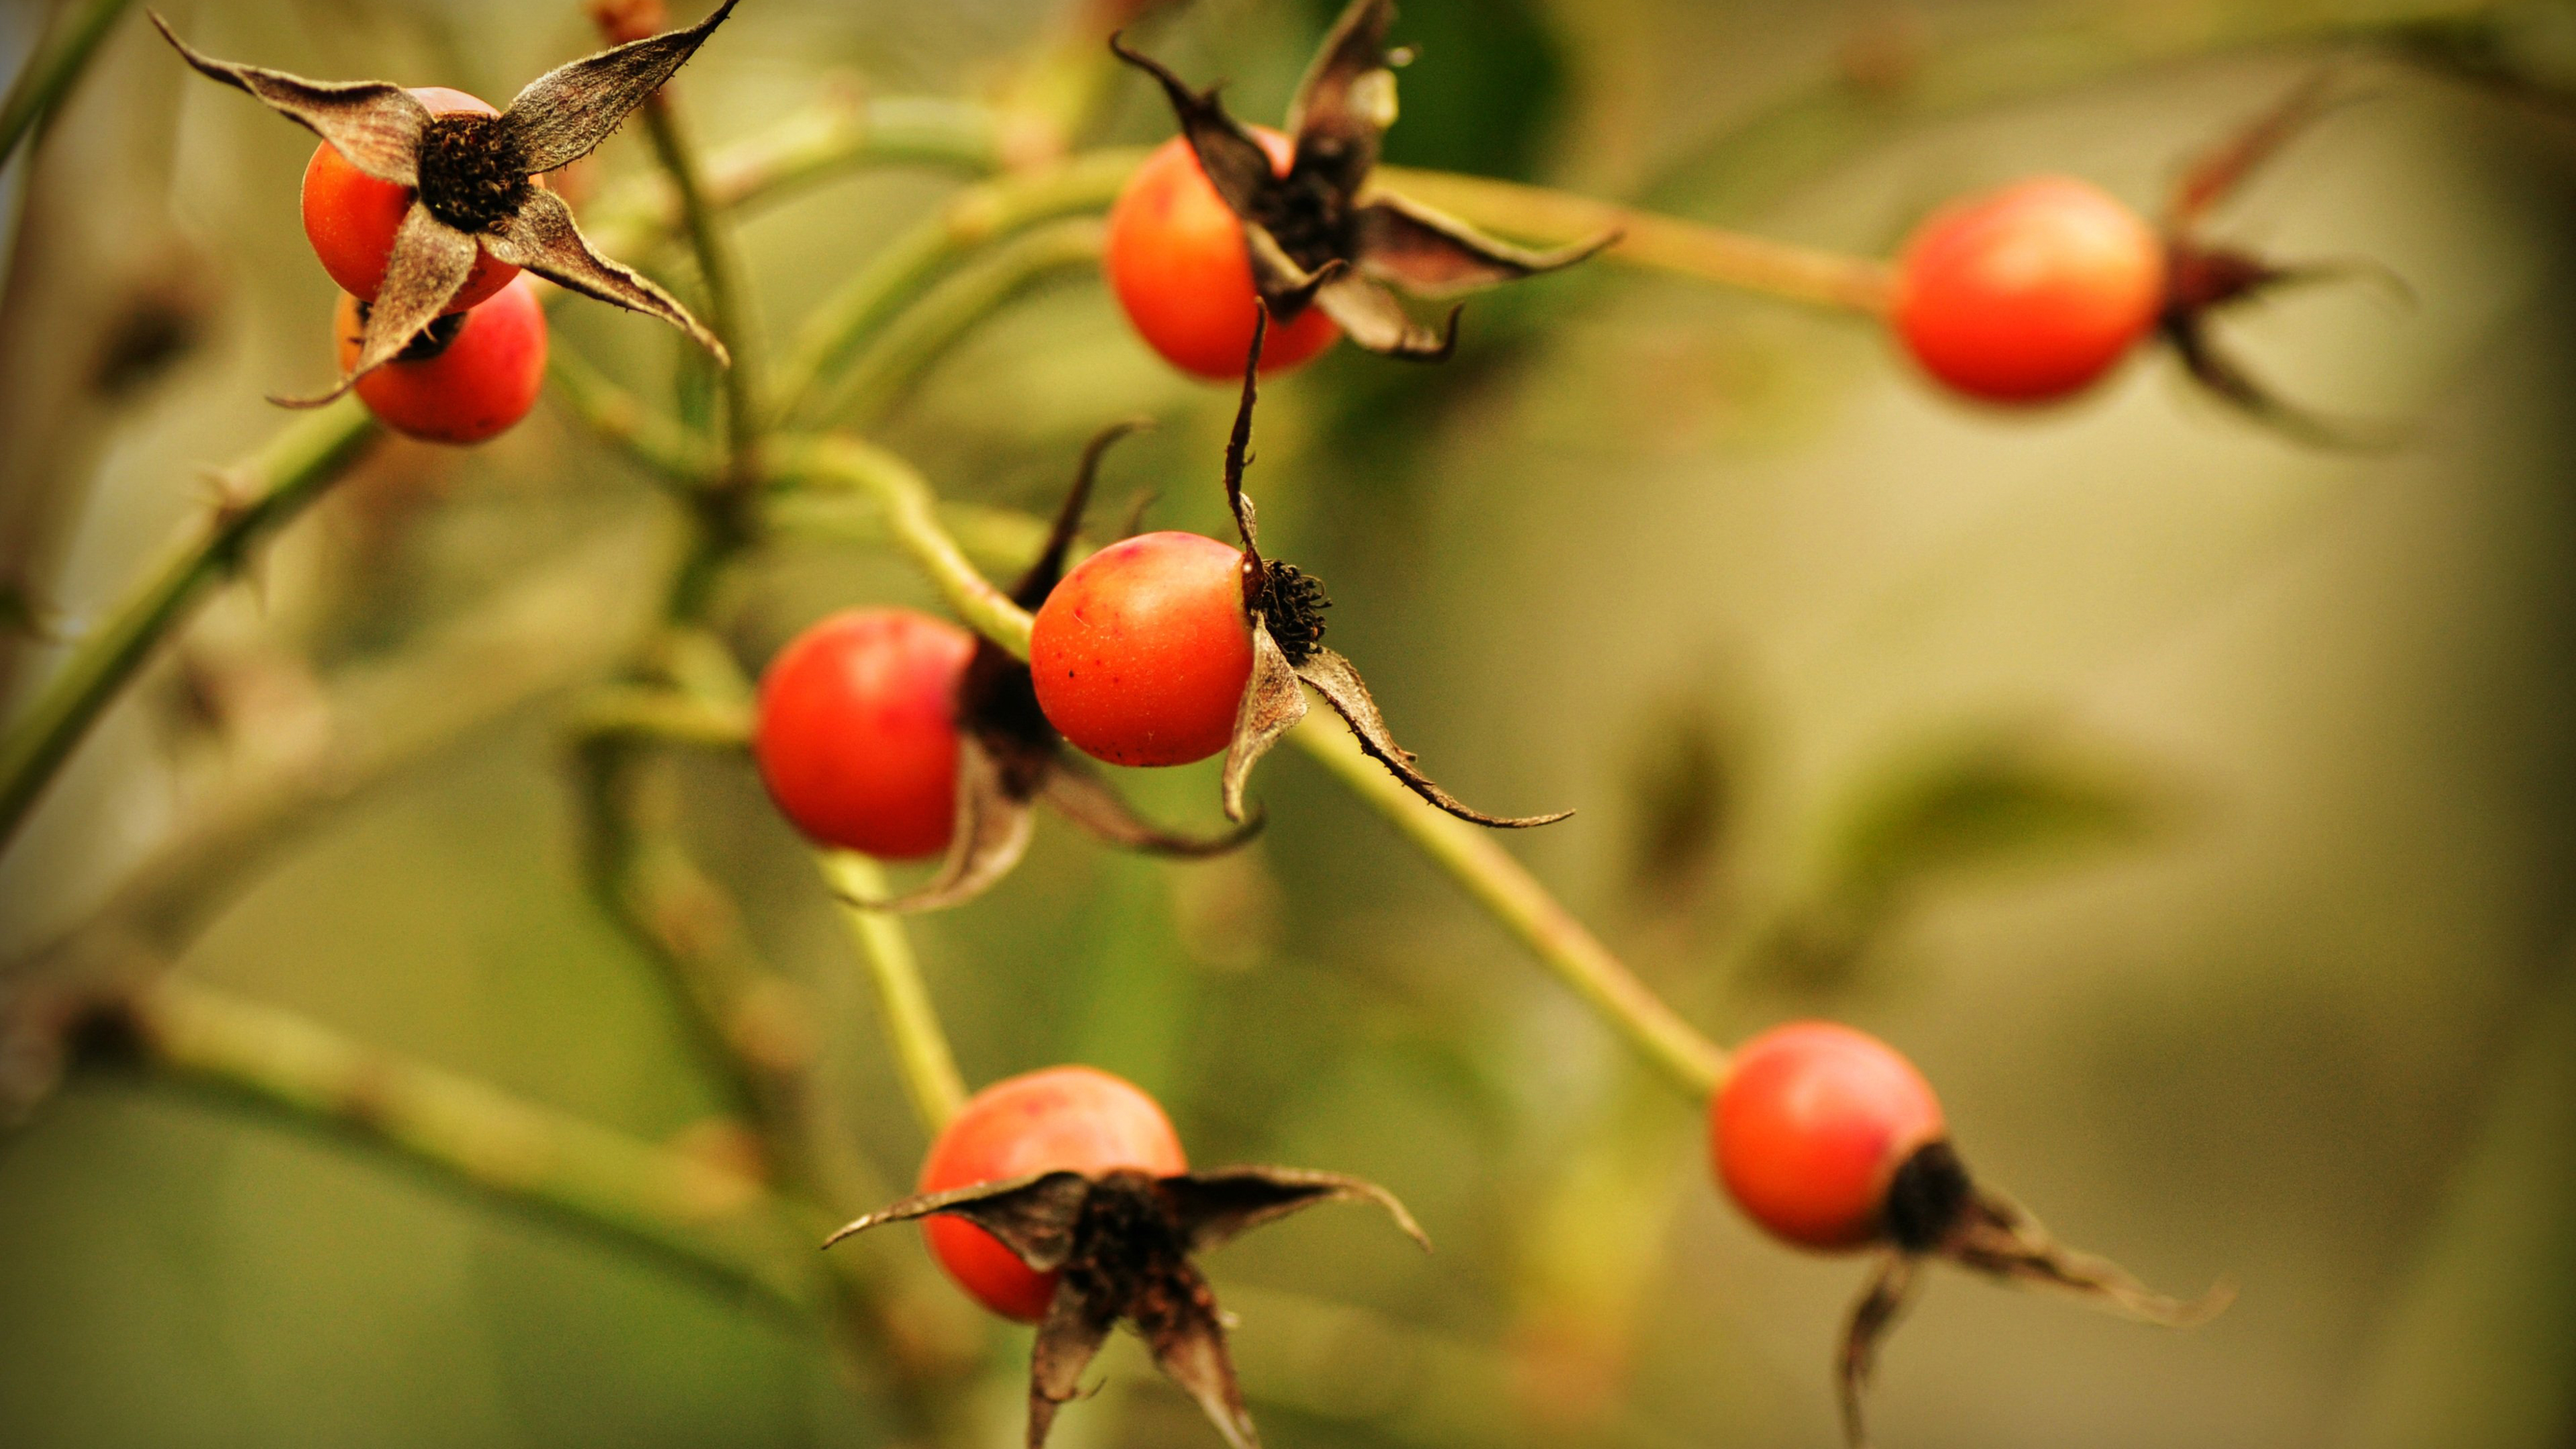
x: 1141, y: 654
x: 350, y: 217
x: 1073, y: 1118
x: 857, y: 735
x: 1175, y: 259
x: 485, y: 380
x: 1811, y: 1125
x: 2028, y: 293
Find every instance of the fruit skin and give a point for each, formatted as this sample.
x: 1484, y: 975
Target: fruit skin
x: 350, y: 217
x: 2029, y: 293
x: 857, y: 735
x: 1175, y: 259
x: 480, y: 387
x: 1141, y: 654
x: 1810, y: 1126
x: 1074, y: 1118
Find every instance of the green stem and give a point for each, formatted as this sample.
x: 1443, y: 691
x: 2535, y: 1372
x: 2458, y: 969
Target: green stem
x: 974, y: 216
x: 679, y: 1208
x: 923, y: 1061
x: 1002, y: 540
x: 824, y: 140
x: 624, y: 421
x: 924, y: 331
x: 665, y: 715
x: 1471, y: 856
x: 1513, y: 897
x: 261, y: 494
x: 720, y: 268
x: 49, y: 76
x: 912, y: 518
x: 1657, y: 242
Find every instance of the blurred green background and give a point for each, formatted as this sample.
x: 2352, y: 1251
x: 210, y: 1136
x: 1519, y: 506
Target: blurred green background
x: 2195, y: 807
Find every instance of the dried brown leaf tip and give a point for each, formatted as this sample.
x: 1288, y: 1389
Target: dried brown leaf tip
x: 1286, y: 606
x: 1009, y: 757
x: 1122, y: 1244
x: 1934, y: 1209
x: 1312, y: 238
x: 473, y: 178
x: 2202, y: 277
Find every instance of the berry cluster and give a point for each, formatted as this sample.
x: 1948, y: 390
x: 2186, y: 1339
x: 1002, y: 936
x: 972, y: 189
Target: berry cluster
x: 1063, y: 1197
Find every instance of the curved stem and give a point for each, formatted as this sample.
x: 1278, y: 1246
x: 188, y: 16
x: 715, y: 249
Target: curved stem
x: 49, y: 75
x: 972, y: 217
x: 922, y: 332
x: 1661, y: 243
x: 1472, y: 857
x: 720, y: 268
x: 259, y: 495
x: 922, y: 1059
x: 624, y: 421
x: 1514, y: 897
x: 697, y: 1213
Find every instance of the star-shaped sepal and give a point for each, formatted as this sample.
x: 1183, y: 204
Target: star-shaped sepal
x: 1123, y: 1242
x: 2202, y: 277
x: 1009, y: 757
x: 1320, y: 236
x: 1285, y: 605
x: 1936, y: 1210
x: 473, y: 179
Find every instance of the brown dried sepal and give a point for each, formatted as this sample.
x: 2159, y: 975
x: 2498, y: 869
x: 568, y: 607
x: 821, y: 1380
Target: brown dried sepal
x: 1123, y: 1242
x: 1285, y: 606
x: 1009, y: 757
x: 2202, y: 278
x: 474, y: 176
x: 1311, y: 239
x: 1935, y: 1209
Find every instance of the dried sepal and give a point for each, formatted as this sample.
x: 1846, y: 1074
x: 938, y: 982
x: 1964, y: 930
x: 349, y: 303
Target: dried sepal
x: 1076, y: 1325
x: 1033, y: 1216
x: 542, y: 238
x: 1087, y: 800
x: 1272, y: 705
x: 1215, y: 1207
x: 1047, y: 569
x: 1371, y: 317
x: 990, y: 833
x: 566, y: 113
x: 1881, y: 1304
x: 1235, y: 163
x: 375, y: 125
x: 2225, y: 379
x: 1333, y: 677
x: 1185, y: 1331
x: 1433, y: 254
x: 1994, y: 1235
x: 1346, y: 99
x: 429, y: 264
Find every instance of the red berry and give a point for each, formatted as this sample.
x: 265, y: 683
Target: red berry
x: 1072, y: 1118
x: 857, y: 737
x: 1175, y: 258
x: 1140, y: 656
x: 477, y: 385
x: 2028, y: 293
x: 350, y: 217
x: 1810, y: 1127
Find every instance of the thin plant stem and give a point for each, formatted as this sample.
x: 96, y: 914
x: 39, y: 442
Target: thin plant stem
x: 626, y: 422
x: 923, y: 1061
x: 1514, y: 898
x: 720, y: 268
x: 926, y: 330
x: 665, y: 715
x: 1653, y: 241
x: 259, y: 494
x: 1492, y: 878
x: 704, y: 1216
x: 974, y: 216
x: 51, y: 73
